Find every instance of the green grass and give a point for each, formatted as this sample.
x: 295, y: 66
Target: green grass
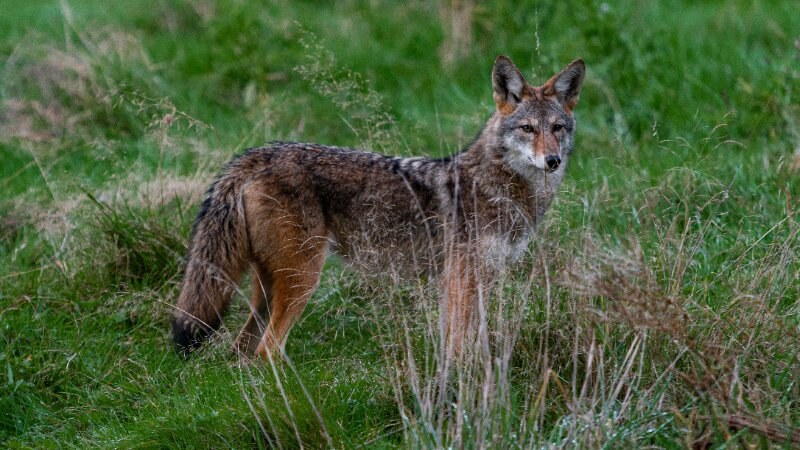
x: 658, y: 307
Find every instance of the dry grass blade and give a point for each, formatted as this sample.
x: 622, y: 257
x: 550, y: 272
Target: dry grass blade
x: 630, y: 288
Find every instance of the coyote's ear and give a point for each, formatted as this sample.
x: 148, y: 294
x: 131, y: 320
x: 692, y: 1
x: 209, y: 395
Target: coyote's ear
x: 508, y: 85
x: 566, y: 85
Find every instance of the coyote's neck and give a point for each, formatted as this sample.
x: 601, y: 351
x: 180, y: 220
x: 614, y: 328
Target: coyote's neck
x: 484, y: 163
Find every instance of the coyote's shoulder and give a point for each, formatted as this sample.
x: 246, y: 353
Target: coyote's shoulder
x: 282, y: 207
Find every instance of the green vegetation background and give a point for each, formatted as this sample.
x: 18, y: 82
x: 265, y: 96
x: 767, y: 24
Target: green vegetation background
x: 115, y: 115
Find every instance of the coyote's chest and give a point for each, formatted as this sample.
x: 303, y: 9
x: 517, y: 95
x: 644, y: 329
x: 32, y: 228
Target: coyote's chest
x: 498, y: 251
x: 511, y: 219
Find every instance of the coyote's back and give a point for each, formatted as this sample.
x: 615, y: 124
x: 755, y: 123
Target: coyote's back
x: 280, y: 209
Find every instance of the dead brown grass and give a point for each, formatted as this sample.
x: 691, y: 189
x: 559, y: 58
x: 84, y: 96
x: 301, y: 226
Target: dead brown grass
x: 53, y: 92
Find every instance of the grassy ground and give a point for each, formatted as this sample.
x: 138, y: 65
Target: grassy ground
x: 658, y: 306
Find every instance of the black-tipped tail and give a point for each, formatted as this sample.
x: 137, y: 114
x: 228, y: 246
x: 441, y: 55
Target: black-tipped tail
x: 188, y: 334
x: 214, y: 265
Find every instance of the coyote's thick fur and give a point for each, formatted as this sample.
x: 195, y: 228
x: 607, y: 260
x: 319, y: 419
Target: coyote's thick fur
x: 279, y: 209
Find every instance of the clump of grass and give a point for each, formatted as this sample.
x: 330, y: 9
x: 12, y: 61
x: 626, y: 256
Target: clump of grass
x: 147, y: 246
x: 709, y: 357
x: 101, y: 83
x: 57, y: 93
x: 630, y: 289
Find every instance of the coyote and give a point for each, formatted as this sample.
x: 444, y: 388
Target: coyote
x: 280, y: 209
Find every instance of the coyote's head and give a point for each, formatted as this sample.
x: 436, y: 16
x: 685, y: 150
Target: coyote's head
x: 534, y: 124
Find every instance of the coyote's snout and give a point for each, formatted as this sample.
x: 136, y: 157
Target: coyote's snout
x: 552, y: 161
x: 279, y: 209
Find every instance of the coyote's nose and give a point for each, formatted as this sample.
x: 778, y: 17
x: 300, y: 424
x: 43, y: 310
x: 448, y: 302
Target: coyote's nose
x: 552, y: 162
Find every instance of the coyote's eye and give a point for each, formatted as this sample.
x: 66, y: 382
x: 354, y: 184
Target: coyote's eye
x: 527, y: 128
x: 557, y: 127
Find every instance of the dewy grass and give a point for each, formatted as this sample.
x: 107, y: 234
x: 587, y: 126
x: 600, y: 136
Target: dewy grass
x: 146, y: 248
x: 658, y: 305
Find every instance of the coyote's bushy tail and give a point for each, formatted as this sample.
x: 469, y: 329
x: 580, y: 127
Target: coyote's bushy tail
x: 216, y: 259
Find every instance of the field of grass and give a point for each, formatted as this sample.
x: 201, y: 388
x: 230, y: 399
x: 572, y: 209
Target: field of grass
x: 659, y: 305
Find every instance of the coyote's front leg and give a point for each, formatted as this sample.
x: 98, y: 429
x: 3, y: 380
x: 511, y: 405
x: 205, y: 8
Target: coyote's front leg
x: 460, y: 282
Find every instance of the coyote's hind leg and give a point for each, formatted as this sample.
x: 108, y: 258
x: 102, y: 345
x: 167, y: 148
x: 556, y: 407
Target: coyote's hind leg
x: 249, y: 337
x: 292, y: 286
